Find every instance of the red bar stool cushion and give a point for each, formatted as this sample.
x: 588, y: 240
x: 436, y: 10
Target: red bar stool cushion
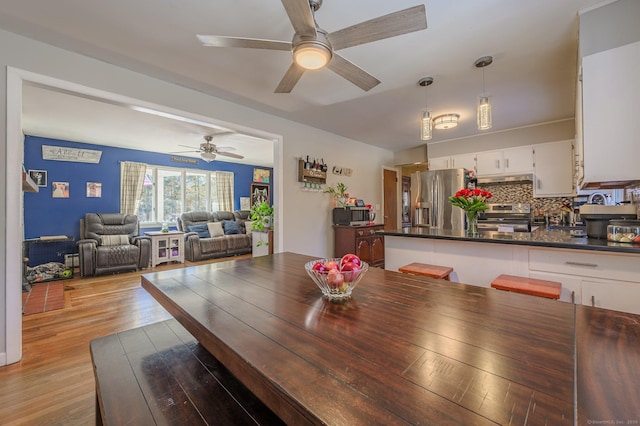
x: 433, y: 271
x: 533, y: 286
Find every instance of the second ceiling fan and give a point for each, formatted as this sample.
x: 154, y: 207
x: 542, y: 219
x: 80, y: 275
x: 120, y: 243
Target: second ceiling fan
x: 314, y: 48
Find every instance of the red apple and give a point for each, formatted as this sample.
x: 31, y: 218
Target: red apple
x: 350, y: 257
x: 350, y: 270
x: 335, y: 278
x: 330, y: 264
x: 319, y: 267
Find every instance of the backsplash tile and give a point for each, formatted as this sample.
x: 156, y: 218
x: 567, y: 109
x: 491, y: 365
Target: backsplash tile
x: 507, y: 193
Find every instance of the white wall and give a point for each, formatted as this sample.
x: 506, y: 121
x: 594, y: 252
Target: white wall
x: 303, y: 219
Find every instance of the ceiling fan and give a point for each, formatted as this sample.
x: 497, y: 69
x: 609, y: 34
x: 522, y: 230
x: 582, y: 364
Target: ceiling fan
x: 209, y: 151
x: 314, y: 48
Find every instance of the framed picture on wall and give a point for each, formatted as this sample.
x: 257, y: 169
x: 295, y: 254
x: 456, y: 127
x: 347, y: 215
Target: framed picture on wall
x: 261, y: 175
x: 245, y: 203
x: 94, y: 189
x: 259, y: 193
x: 60, y: 189
x: 39, y: 177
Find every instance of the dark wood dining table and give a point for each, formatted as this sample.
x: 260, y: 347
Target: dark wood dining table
x: 406, y: 349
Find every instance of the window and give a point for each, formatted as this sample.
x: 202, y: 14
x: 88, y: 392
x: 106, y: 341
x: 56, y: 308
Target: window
x: 167, y: 192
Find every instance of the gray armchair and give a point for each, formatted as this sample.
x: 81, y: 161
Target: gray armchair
x: 110, y: 243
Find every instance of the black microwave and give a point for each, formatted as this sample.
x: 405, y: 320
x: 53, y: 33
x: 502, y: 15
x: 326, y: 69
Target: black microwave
x: 350, y: 216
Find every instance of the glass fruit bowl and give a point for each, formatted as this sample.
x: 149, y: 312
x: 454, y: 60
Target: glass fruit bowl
x: 335, y: 284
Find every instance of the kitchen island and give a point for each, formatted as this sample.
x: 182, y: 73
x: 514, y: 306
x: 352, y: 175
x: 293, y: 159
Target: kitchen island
x: 592, y: 271
x: 406, y: 349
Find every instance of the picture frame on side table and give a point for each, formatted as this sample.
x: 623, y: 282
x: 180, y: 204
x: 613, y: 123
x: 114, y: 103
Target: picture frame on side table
x: 260, y: 193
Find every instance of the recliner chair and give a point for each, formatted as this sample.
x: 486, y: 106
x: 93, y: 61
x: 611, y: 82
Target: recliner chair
x: 109, y: 243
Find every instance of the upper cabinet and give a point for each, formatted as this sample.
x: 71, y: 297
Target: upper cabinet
x: 553, y: 169
x: 462, y: 161
x: 505, y: 161
x: 610, y: 105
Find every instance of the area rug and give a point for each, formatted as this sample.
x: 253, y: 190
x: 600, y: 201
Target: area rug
x: 43, y: 297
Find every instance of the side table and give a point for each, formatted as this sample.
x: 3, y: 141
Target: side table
x: 166, y: 247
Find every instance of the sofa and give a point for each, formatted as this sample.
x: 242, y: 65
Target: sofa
x: 211, y: 235
x: 110, y: 243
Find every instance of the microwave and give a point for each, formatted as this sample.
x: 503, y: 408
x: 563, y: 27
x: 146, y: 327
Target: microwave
x: 350, y: 216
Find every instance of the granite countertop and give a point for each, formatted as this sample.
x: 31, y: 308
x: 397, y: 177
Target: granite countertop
x: 541, y: 237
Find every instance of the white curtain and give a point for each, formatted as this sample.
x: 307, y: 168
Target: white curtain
x: 224, y: 190
x: 131, y: 181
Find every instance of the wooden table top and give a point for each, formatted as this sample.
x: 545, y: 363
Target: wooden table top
x: 405, y: 349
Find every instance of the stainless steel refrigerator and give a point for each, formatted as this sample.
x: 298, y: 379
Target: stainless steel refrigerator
x: 430, y: 192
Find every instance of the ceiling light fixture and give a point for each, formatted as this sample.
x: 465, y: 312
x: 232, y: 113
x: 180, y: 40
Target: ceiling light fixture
x: 425, y: 121
x: 484, y: 106
x: 446, y: 121
x: 208, y: 156
x: 314, y: 53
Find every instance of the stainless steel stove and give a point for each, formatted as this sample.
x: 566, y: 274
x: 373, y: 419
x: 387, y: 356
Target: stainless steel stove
x: 514, y: 217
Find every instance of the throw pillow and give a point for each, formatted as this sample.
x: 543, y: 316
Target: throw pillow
x: 201, y: 229
x: 114, y: 240
x: 247, y: 227
x: 230, y: 227
x: 215, y: 229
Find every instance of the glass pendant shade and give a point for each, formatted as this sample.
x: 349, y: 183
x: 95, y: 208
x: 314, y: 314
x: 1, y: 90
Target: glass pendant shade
x: 425, y: 126
x: 484, y: 113
x: 208, y: 156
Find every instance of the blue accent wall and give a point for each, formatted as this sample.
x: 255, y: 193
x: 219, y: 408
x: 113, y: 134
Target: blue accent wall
x: 45, y: 215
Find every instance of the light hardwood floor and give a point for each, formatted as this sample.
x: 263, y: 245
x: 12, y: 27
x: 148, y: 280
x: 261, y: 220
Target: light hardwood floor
x: 53, y: 383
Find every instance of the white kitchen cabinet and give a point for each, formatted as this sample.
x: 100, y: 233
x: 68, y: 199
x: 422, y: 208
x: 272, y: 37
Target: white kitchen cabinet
x: 554, y: 169
x: 508, y: 161
x: 619, y: 296
x: 610, y: 88
x: 489, y: 163
x: 461, y: 161
x: 518, y: 160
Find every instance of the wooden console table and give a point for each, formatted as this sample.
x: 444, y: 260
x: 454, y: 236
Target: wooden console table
x: 405, y: 349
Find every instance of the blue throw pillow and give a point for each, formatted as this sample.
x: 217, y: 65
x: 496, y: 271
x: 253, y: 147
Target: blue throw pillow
x: 201, y: 229
x: 230, y: 227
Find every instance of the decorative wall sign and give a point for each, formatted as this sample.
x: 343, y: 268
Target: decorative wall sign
x: 39, y: 177
x: 94, y: 189
x: 185, y: 160
x: 60, y: 189
x: 259, y: 193
x: 61, y: 153
x: 342, y: 171
x: 261, y: 175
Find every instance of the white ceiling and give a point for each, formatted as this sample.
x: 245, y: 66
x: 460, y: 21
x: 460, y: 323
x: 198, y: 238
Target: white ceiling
x: 532, y: 79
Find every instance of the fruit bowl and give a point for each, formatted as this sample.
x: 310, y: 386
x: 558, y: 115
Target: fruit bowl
x: 336, y: 284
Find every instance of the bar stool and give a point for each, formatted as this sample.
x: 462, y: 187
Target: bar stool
x: 433, y: 271
x: 532, y: 286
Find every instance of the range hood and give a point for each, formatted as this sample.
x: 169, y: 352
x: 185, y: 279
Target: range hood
x: 527, y: 177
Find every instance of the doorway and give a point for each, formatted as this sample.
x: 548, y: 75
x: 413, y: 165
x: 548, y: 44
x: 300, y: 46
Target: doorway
x: 390, y: 199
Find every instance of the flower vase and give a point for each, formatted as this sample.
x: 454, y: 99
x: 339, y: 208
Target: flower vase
x: 472, y: 222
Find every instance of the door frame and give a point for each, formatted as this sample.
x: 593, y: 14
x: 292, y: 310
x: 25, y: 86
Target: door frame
x: 398, y: 186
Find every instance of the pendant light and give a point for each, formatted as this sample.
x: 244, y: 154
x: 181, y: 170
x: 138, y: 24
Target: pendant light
x: 484, y: 106
x: 425, y: 121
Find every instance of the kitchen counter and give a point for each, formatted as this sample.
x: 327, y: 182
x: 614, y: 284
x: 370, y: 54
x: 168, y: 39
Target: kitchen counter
x: 541, y: 237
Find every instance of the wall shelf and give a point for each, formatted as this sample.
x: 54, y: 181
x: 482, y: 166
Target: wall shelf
x: 28, y: 185
x: 311, y: 175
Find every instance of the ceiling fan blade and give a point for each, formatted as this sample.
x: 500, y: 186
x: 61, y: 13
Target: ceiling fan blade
x: 251, y: 43
x: 353, y: 73
x: 181, y: 152
x: 225, y: 148
x: 290, y: 79
x: 391, y: 25
x: 301, y: 17
x: 187, y: 146
x: 230, y: 154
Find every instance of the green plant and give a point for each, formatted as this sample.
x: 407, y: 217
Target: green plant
x: 262, y: 216
x: 339, y: 193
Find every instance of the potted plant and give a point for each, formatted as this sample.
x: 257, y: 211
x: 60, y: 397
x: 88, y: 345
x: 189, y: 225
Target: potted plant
x: 262, y: 217
x: 339, y: 193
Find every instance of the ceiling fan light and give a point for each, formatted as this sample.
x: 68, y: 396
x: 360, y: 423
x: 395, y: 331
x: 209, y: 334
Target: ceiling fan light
x: 446, y: 121
x: 311, y: 55
x: 484, y: 113
x: 426, y: 125
x: 208, y: 156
